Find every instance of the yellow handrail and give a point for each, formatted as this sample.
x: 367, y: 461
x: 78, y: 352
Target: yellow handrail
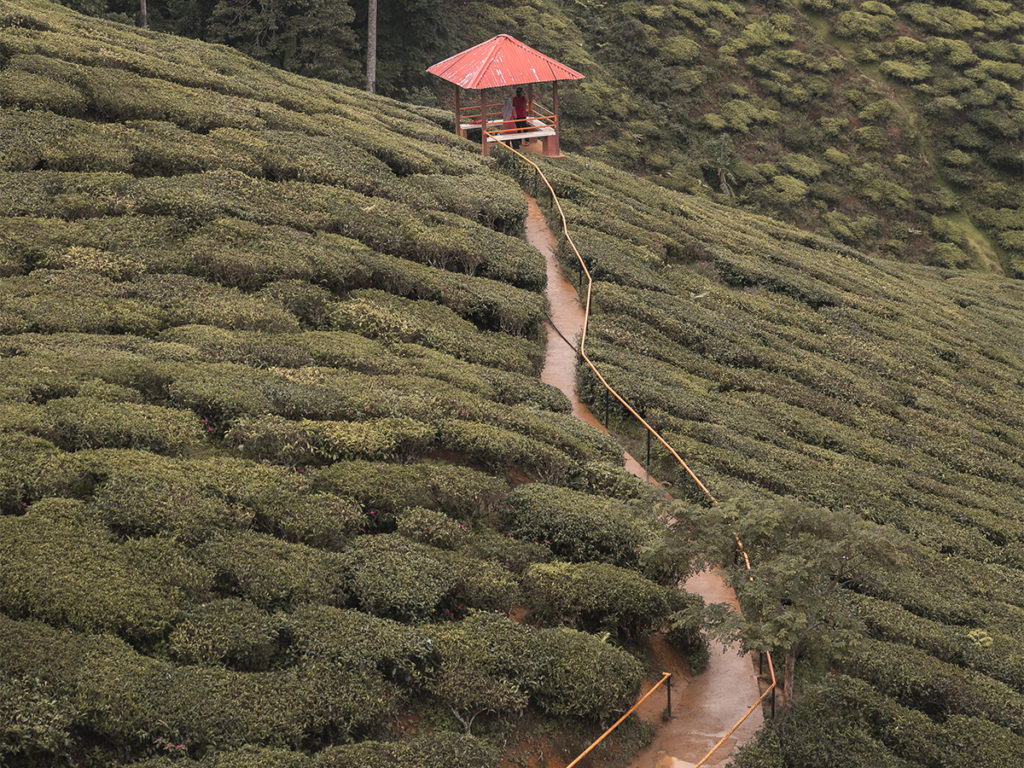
x: 664, y: 676
x: 654, y: 433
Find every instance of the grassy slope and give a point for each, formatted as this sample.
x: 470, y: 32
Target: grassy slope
x: 783, y: 364
x: 269, y: 369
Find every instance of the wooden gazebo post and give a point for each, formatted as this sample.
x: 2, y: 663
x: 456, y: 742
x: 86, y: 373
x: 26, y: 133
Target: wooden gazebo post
x: 484, y: 148
x: 458, y: 114
x: 552, y: 144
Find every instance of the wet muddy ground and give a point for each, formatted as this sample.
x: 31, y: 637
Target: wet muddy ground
x: 706, y: 706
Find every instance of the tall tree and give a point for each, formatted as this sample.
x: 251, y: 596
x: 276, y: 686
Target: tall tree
x: 371, y: 46
x: 801, y: 556
x: 311, y: 37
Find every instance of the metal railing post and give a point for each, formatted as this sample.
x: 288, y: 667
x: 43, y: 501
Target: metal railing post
x: 668, y: 696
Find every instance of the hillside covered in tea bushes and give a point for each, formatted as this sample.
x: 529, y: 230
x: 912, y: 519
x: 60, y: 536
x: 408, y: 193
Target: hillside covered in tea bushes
x: 276, y: 465
x: 275, y: 461
x: 860, y: 423
x: 896, y: 127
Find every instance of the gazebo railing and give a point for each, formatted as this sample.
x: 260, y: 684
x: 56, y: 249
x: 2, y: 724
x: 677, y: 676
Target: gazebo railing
x: 469, y: 116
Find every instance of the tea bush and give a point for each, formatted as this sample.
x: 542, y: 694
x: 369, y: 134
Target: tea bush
x: 459, y: 492
x: 230, y: 632
x: 393, y: 319
x: 596, y: 597
x: 397, y: 652
x: 577, y: 525
x: 71, y: 573
x: 497, y: 449
x: 394, y: 577
x: 430, y: 527
x: 324, y: 442
x: 585, y: 677
x: 272, y: 573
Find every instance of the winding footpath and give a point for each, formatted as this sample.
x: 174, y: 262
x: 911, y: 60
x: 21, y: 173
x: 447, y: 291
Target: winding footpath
x: 704, y: 707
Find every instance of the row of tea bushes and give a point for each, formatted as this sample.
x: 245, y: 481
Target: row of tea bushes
x: 65, y: 567
x: 339, y: 681
x: 434, y: 750
x: 154, y: 147
x: 298, y: 273
x: 74, y: 423
x: 855, y: 718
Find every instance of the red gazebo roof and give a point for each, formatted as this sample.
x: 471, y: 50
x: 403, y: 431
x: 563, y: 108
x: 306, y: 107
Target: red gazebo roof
x: 501, y: 61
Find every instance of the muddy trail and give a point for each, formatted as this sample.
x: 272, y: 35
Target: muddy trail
x: 706, y: 706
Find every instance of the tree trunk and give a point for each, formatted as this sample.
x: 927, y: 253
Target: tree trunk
x: 787, y: 681
x: 143, y: 16
x: 371, y: 46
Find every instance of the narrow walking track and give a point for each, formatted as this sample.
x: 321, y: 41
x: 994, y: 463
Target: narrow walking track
x: 704, y: 707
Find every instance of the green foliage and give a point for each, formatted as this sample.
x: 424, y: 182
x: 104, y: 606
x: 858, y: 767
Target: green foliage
x: 485, y: 663
x: 324, y: 442
x: 272, y: 573
x: 34, y: 719
x: 430, y: 527
x: 586, y: 677
x: 69, y: 572
x: 394, y: 577
x: 433, y: 750
x: 596, y: 597
x: 231, y: 632
x: 309, y: 38
x: 392, y: 319
x: 577, y: 525
x: 457, y: 491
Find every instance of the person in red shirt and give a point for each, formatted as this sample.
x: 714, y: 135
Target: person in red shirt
x: 519, y: 110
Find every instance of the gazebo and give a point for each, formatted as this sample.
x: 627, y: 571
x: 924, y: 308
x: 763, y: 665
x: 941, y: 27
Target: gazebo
x: 504, y: 62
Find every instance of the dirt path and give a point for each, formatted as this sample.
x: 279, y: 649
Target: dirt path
x: 704, y: 707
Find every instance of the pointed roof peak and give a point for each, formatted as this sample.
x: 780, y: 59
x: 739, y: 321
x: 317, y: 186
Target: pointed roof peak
x: 501, y: 61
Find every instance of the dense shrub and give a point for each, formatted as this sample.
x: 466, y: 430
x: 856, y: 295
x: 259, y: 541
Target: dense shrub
x: 577, y: 525
x: 500, y: 449
x: 230, y: 632
x: 584, y: 676
x: 433, y: 750
x: 393, y: 319
x: 324, y: 442
x: 596, y: 597
x: 428, y: 526
x: 485, y: 663
x: 34, y: 719
x: 457, y: 491
x: 68, y: 571
x: 358, y: 640
x: 272, y: 573
x: 394, y: 577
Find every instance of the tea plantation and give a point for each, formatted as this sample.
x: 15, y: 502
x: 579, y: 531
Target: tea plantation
x: 277, y: 469
x: 275, y: 462
x: 861, y: 424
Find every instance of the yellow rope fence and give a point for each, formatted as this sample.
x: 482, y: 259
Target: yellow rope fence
x: 654, y: 433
